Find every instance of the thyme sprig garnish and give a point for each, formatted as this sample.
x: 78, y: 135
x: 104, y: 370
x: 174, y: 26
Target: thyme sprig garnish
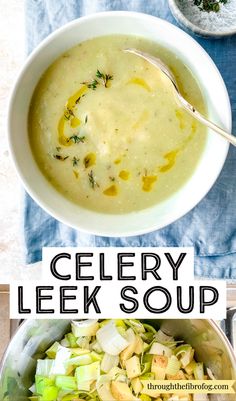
x: 100, y: 79
x: 104, y: 77
x: 93, y: 85
x: 209, y: 5
x: 77, y: 139
x: 92, y: 182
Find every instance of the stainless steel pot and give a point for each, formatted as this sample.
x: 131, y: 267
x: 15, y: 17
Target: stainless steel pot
x: 33, y: 337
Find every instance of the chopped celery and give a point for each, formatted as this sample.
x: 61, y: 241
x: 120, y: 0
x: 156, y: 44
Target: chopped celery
x: 66, y: 382
x: 79, y: 351
x: 41, y: 382
x: 72, y: 340
x: 50, y: 393
x: 87, y: 372
x: 62, y: 355
x: 51, y: 352
x: 44, y: 367
x: 79, y: 360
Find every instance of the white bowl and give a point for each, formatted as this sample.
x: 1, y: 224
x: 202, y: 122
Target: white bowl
x: 213, y: 157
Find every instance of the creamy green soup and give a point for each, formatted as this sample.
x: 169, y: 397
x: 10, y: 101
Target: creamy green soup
x: 106, y: 130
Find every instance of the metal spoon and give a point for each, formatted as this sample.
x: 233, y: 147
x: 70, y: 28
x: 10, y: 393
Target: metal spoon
x: 187, y: 106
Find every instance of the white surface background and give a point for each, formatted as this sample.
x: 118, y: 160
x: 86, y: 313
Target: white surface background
x: 12, y: 53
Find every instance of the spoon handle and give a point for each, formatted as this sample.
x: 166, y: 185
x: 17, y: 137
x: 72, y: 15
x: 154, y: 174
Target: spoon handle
x: 205, y: 121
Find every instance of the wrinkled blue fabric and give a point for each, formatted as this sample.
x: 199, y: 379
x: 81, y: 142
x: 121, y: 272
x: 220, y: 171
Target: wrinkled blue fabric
x: 211, y: 226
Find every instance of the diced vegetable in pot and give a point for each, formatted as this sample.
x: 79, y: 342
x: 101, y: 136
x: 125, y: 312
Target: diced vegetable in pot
x: 108, y: 360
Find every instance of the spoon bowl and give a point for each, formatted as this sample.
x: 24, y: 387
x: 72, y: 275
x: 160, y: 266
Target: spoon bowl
x: 156, y: 62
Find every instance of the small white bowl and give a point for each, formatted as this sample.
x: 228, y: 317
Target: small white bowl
x: 213, y: 157
x: 185, y: 22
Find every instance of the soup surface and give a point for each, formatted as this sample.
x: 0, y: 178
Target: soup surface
x: 106, y: 130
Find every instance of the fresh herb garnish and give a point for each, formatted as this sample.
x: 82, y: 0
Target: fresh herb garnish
x: 92, y: 181
x: 105, y: 77
x: 75, y: 161
x: 59, y: 157
x: 86, y: 119
x: 112, y: 179
x: 77, y: 139
x: 209, y: 5
x: 91, y: 85
x: 58, y: 148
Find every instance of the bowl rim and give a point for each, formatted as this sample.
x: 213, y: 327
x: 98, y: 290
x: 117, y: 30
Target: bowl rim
x: 37, y: 198
x: 182, y: 19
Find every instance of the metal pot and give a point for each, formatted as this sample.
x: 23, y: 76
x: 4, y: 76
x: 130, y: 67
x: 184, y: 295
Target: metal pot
x: 33, y: 337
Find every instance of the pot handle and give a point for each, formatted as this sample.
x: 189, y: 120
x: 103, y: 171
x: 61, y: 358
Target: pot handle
x: 229, y: 325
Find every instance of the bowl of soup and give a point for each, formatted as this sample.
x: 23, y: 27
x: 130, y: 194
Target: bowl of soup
x: 97, y: 135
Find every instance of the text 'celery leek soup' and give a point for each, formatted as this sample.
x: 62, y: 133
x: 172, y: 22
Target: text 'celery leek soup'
x: 106, y: 129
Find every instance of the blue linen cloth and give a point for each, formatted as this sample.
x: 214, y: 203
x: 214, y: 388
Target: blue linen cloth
x: 211, y: 226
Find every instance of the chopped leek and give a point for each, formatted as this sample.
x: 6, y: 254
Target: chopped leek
x: 160, y: 349
x: 173, y: 366
x: 108, y: 362
x: 84, y: 328
x: 198, y: 371
x: 110, y: 339
x: 44, y: 367
x: 58, y: 366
